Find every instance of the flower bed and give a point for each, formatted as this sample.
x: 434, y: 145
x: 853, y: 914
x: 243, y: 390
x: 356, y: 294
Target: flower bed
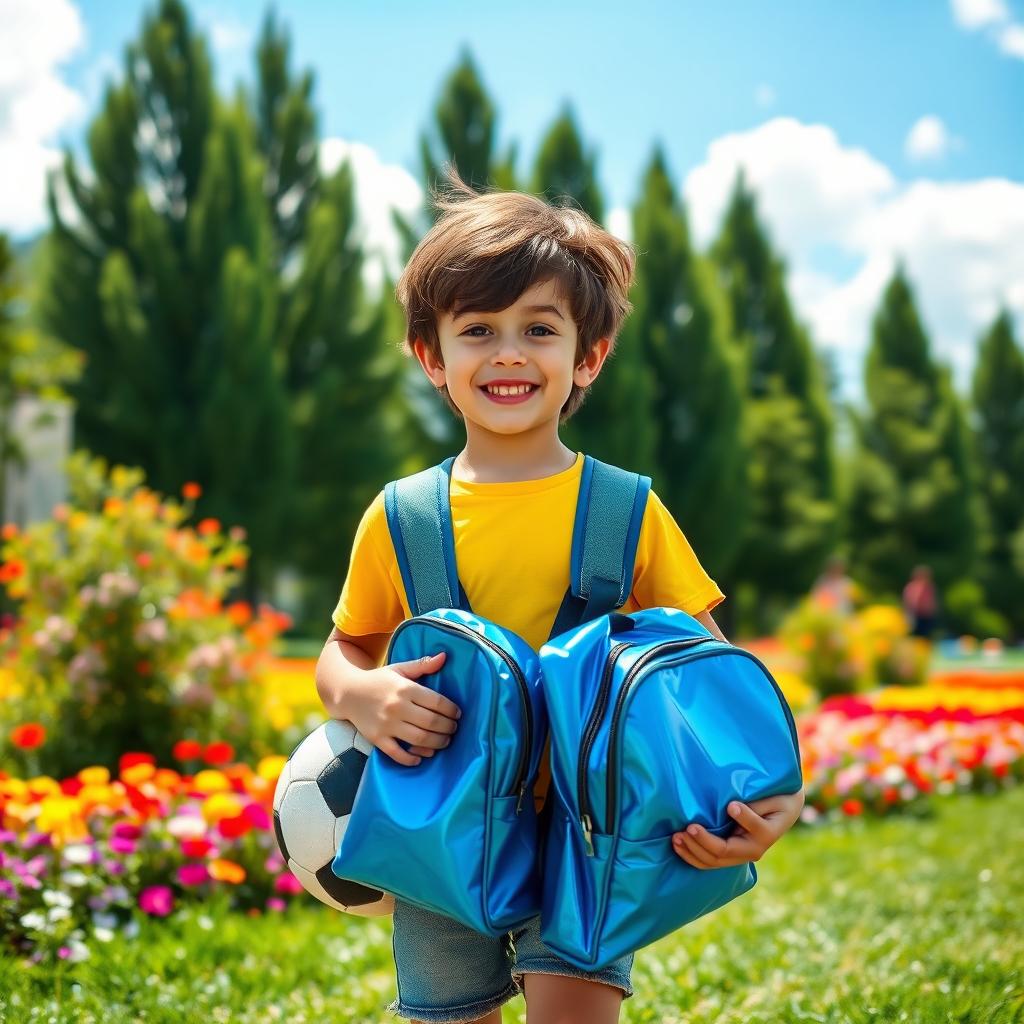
x: 84, y: 856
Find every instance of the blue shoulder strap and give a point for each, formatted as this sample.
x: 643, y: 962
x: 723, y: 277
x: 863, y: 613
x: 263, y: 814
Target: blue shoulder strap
x: 606, y: 530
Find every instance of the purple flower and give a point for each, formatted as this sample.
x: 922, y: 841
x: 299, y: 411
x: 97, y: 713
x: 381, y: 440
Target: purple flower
x: 120, y: 845
x: 6, y: 836
x: 34, y: 839
x: 7, y: 888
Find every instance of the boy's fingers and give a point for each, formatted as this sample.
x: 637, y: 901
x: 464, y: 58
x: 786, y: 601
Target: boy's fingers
x: 396, y: 753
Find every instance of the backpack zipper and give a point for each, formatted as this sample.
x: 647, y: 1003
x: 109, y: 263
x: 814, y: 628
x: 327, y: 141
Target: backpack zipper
x: 519, y: 784
x: 585, y: 820
x: 589, y: 735
x: 630, y: 679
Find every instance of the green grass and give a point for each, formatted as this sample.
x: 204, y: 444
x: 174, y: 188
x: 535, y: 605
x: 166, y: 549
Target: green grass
x: 915, y: 920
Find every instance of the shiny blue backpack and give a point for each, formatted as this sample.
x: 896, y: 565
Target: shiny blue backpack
x: 458, y: 833
x: 655, y: 723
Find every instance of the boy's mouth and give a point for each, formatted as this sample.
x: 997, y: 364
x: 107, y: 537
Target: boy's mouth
x: 513, y: 394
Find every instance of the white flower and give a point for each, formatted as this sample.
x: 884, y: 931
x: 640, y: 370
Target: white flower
x: 79, y: 951
x: 103, y: 934
x: 75, y: 878
x: 204, y: 922
x: 33, y: 920
x: 78, y: 853
x: 186, y: 827
x: 104, y: 921
x: 131, y: 929
x: 58, y: 913
x: 52, y: 898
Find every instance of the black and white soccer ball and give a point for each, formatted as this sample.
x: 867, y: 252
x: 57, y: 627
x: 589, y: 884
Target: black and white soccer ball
x: 312, y: 806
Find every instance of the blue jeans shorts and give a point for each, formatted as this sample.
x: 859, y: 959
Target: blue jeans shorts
x: 448, y: 972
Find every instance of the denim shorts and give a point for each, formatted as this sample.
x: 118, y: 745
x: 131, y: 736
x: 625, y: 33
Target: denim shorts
x: 448, y: 972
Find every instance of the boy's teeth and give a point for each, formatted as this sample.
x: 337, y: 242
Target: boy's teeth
x: 503, y: 389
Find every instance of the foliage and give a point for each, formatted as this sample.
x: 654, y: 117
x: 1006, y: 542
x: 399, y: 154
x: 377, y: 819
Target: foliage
x: 121, y: 637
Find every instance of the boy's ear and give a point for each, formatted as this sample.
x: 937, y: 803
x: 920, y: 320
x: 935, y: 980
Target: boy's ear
x: 432, y: 367
x: 586, y: 373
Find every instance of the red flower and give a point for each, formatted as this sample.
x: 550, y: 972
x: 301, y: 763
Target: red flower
x: 1000, y: 769
x: 196, y: 847
x: 218, y: 753
x: 852, y: 807
x: 233, y: 828
x: 127, y: 760
x: 187, y: 750
x: 28, y: 736
x: 191, y: 490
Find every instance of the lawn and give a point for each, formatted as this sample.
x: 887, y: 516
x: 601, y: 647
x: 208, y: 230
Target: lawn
x: 899, y: 919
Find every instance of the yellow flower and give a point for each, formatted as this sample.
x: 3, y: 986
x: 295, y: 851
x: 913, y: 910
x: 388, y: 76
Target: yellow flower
x: 94, y: 776
x: 136, y: 774
x: 270, y: 767
x: 221, y: 805
x: 209, y: 780
x: 61, y: 816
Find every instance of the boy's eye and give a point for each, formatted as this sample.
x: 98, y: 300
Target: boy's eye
x: 480, y: 327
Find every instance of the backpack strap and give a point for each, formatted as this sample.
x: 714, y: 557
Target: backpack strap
x: 606, y: 531
x: 420, y: 522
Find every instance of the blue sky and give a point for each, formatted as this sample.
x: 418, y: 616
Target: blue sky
x: 871, y: 130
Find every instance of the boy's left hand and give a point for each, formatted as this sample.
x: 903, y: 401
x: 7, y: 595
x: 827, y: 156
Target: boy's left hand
x: 761, y: 823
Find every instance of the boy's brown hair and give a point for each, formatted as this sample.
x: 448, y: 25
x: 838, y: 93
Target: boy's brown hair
x: 487, y: 248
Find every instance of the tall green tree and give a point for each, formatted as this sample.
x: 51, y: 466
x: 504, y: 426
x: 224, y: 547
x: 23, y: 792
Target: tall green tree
x: 213, y: 282
x: 781, y: 369
x: 912, y: 483
x: 692, y: 373
x: 563, y: 167
x: 998, y: 394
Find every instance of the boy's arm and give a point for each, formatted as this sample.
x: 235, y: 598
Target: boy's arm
x: 704, y: 618
x: 342, y: 658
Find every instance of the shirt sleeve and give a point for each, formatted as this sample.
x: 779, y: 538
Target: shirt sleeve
x: 369, y: 601
x: 667, y: 573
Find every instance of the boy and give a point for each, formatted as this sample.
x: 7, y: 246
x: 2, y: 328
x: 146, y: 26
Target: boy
x: 511, y: 308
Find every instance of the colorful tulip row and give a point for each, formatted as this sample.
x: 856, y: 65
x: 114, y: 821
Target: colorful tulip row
x: 77, y: 857
x: 885, y: 751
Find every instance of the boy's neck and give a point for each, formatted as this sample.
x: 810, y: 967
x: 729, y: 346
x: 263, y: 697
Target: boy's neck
x: 506, y: 458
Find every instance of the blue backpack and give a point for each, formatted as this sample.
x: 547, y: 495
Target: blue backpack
x: 458, y: 833
x: 640, y: 746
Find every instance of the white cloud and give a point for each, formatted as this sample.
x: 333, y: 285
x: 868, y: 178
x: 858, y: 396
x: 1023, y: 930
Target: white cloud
x: 928, y: 139
x: 975, y: 14
x: 961, y: 243
x: 227, y: 35
x: 995, y: 18
x: 764, y: 95
x: 379, y: 188
x: 35, y: 104
x: 619, y: 222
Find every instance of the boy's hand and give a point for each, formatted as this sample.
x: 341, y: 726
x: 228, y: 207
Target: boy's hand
x: 756, y: 833
x: 389, y: 705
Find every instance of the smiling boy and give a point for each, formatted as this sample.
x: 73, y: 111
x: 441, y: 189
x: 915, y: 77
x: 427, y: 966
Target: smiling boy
x: 512, y: 307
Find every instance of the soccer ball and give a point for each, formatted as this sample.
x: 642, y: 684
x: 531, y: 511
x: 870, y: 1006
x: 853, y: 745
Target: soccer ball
x: 312, y: 805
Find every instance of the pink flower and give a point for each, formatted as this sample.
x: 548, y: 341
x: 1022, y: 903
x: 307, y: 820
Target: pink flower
x: 273, y: 903
x: 193, y: 874
x: 120, y: 845
x: 288, y: 884
x: 157, y: 900
x: 256, y: 815
x: 127, y: 830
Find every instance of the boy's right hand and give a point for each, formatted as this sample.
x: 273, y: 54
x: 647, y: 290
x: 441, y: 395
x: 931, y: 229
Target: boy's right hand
x: 388, y: 705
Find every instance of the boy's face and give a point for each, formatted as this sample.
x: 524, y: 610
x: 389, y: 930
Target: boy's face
x: 519, y: 345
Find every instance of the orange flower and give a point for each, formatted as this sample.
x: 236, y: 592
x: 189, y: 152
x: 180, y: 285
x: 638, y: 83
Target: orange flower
x: 239, y: 612
x: 208, y: 526
x: 191, y: 490
x: 9, y: 531
x: 143, y: 559
x: 11, y: 570
x: 226, y: 871
x: 187, y: 750
x: 28, y: 736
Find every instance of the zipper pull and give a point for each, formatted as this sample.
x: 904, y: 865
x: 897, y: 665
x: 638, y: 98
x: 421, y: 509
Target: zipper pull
x: 522, y: 793
x: 587, y: 834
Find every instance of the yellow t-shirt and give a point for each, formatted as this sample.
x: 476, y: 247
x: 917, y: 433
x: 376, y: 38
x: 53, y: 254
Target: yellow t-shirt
x: 513, y: 543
